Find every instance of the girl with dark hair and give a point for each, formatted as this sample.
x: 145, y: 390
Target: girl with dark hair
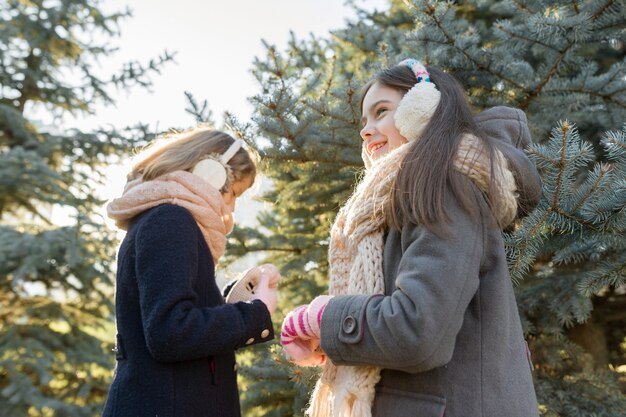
x: 176, y: 337
x: 421, y: 319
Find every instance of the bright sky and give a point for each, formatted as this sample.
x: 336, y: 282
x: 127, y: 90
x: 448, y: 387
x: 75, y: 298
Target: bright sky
x: 215, y: 44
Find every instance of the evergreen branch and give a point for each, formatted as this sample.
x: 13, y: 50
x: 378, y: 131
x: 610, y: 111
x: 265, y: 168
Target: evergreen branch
x: 604, y: 169
x: 523, y: 246
x: 350, y: 93
x: 333, y: 142
x: 552, y: 71
x: 610, y: 139
x: 202, y: 114
x: 571, y: 216
x: 560, y: 165
x: 616, y: 74
x: 616, y: 25
x: 593, y: 93
x: 331, y: 78
x: 527, y: 39
x: 335, y: 115
x: 565, y: 128
x: 522, y: 6
x: 274, y: 109
x: 286, y: 133
x: 31, y: 208
x: 302, y: 158
x: 28, y: 89
x: 430, y: 11
x: 575, y: 5
x: 532, y: 151
x: 602, y: 9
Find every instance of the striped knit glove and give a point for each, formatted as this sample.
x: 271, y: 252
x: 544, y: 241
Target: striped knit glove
x: 300, y: 334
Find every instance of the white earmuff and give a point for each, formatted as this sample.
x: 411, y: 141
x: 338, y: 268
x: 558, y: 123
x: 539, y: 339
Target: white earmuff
x: 213, y: 170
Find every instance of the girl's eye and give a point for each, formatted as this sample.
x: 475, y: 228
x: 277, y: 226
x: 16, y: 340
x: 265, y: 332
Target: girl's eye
x: 381, y: 111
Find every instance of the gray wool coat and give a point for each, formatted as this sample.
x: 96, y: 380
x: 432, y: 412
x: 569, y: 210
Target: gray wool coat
x: 447, y: 330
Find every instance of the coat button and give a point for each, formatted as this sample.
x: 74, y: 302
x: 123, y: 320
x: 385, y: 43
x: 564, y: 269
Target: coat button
x: 250, y: 341
x: 349, y: 324
x: 265, y: 333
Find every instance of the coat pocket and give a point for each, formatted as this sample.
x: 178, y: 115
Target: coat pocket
x: 392, y: 402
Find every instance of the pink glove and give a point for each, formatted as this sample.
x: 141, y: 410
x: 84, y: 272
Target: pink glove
x: 300, y: 334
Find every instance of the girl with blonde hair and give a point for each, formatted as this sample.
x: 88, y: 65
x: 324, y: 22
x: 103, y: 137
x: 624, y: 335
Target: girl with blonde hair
x: 176, y: 337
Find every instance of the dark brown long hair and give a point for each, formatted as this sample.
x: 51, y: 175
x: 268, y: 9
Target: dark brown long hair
x: 427, y: 171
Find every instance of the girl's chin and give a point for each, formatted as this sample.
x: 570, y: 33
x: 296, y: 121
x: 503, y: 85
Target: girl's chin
x: 380, y: 152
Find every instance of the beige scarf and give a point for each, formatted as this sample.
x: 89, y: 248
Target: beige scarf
x: 356, y: 259
x: 184, y: 189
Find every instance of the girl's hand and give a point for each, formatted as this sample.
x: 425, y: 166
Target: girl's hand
x: 265, y: 281
x: 266, y: 290
x: 304, y: 352
x: 273, y: 273
x: 300, y: 334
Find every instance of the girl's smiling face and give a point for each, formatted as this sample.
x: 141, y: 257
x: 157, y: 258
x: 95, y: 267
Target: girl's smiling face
x: 379, y: 133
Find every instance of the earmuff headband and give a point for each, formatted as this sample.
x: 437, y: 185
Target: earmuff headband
x: 214, y: 170
x: 231, y: 151
x: 421, y: 74
x: 419, y: 104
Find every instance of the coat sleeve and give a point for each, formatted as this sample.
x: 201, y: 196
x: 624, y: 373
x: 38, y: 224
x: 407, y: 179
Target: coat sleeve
x: 175, y: 327
x: 414, y: 329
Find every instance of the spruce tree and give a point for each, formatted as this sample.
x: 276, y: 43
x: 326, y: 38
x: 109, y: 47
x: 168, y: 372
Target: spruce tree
x: 56, y: 317
x: 563, y: 63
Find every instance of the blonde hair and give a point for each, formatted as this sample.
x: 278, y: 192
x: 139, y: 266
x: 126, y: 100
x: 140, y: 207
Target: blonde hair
x: 183, y: 150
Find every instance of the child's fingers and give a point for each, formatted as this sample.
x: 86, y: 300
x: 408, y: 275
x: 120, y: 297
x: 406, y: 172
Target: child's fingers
x: 272, y: 272
x: 270, y: 269
x: 264, y: 281
x: 312, y: 360
x: 297, y: 350
x: 304, y: 352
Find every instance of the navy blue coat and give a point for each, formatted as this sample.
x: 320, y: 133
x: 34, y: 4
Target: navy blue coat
x: 176, y: 338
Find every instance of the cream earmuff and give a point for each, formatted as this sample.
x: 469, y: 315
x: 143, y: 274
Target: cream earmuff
x: 214, y: 170
x: 418, y: 105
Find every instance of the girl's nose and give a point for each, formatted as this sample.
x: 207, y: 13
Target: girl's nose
x: 367, y: 131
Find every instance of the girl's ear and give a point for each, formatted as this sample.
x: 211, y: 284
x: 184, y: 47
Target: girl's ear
x: 211, y: 171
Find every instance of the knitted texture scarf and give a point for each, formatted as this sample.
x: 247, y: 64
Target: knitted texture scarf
x: 356, y: 260
x: 180, y: 188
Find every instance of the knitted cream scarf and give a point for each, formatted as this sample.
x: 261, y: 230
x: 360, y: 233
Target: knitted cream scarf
x: 356, y: 259
x: 184, y: 189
